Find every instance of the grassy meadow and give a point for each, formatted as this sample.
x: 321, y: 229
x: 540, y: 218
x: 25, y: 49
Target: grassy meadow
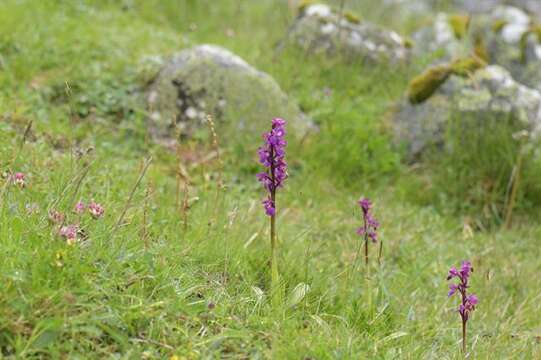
x: 180, y: 271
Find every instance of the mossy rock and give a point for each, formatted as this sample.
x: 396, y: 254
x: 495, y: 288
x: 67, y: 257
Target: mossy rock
x: 211, y: 80
x: 488, y: 92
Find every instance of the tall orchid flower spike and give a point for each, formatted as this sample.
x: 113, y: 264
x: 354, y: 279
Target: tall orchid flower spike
x: 370, y: 227
x: 468, y: 301
x: 272, y: 157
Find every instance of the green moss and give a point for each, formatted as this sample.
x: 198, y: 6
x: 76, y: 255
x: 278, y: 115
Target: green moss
x: 352, y: 18
x: 408, y: 43
x: 480, y: 49
x: 424, y: 85
x: 467, y: 66
x: 498, y: 25
x: 460, y: 25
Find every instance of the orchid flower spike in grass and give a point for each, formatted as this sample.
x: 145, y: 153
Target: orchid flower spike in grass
x: 468, y: 301
x: 272, y: 157
x: 369, y: 230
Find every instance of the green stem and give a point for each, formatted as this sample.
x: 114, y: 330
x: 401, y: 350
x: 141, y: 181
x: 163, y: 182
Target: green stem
x: 275, y: 275
x: 514, y: 188
x: 464, y: 337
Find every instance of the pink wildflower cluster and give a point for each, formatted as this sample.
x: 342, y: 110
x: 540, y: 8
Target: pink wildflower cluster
x: 70, y: 233
x: 96, y: 210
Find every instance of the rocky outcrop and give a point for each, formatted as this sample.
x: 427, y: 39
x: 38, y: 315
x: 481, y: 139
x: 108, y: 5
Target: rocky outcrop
x: 320, y: 29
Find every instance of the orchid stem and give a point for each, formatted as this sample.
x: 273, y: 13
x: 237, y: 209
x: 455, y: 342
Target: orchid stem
x: 464, y: 337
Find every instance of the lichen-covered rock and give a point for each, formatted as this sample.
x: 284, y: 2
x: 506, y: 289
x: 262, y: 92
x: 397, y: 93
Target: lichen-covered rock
x: 320, y: 29
x: 489, y: 91
x: 208, y: 79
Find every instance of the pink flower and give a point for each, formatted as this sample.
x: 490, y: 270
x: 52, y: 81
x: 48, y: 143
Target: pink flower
x: 269, y: 207
x: 80, y: 207
x: 95, y: 209
x: 56, y: 217
x: 69, y: 232
x: 272, y: 157
x: 370, y: 224
x: 19, y: 179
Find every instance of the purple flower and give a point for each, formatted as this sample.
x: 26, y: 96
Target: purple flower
x: 370, y: 224
x: 452, y: 289
x: 453, y: 272
x: 96, y: 210
x: 468, y: 301
x: 80, y: 207
x: 69, y: 232
x: 272, y: 156
x: 269, y: 207
x: 366, y: 205
x: 19, y: 179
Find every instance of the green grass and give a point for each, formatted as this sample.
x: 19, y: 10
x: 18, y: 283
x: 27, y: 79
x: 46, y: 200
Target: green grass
x: 73, y: 67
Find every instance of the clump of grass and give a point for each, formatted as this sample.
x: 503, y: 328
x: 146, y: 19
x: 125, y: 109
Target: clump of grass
x: 477, y: 172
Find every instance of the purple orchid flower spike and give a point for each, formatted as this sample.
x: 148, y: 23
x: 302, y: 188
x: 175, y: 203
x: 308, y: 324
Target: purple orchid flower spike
x: 272, y: 157
x: 468, y: 301
x: 370, y: 227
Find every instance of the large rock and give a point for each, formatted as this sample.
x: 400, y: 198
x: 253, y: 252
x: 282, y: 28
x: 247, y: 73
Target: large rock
x: 321, y: 29
x: 208, y: 79
x: 488, y: 93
